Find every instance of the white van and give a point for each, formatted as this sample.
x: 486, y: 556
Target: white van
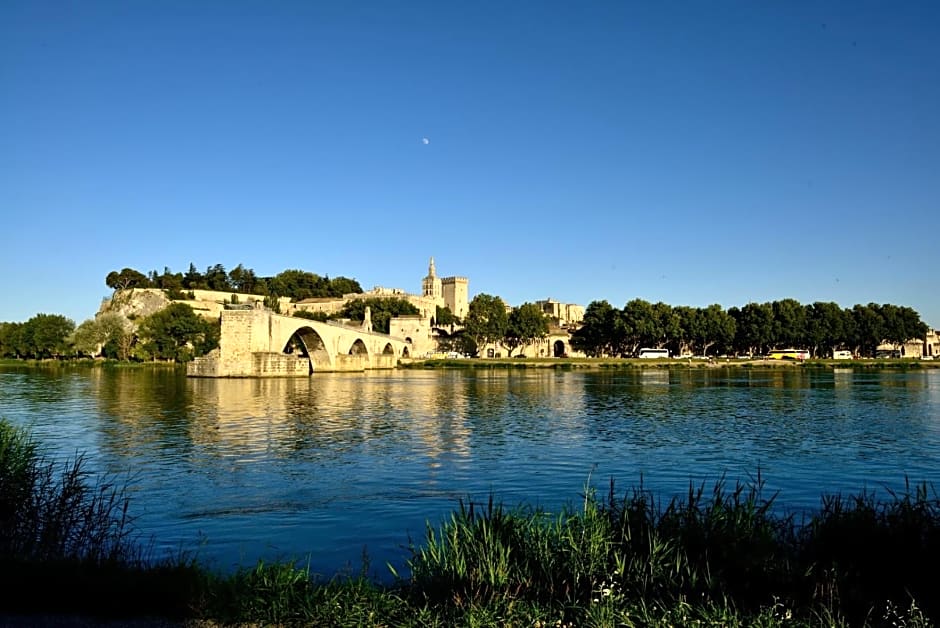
x: 841, y: 355
x: 653, y: 353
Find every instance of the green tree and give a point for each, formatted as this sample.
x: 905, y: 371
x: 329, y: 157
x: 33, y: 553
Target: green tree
x: 640, y: 325
x: 714, y: 326
x: 444, y: 317
x: 242, y: 279
x: 209, y: 340
x: 298, y: 285
x: 126, y: 279
x: 45, y: 336
x: 594, y: 336
x: 217, y: 279
x: 825, y: 327
x: 177, y: 333
x: 869, y: 328
x: 118, y: 333
x: 459, y: 342
x: 487, y: 319
x: 789, y: 323
x: 193, y: 279
x: 109, y: 333
x: 668, y: 323
x: 688, y: 322
x: 901, y: 324
x: 261, y: 286
x: 169, y: 281
x: 338, y: 286
x: 273, y: 303
x: 11, y: 340
x: 525, y: 324
x: 88, y: 339
x: 754, y: 327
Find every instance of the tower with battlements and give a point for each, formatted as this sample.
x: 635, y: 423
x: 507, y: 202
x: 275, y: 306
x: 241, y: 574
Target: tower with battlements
x: 455, y: 295
x: 449, y: 292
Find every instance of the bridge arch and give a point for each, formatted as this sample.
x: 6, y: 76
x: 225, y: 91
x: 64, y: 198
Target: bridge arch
x: 307, y: 340
x: 358, y: 347
x: 258, y: 343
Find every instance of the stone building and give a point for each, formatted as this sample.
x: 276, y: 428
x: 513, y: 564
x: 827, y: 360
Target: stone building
x: 564, y: 314
x: 932, y: 344
x: 557, y: 344
x: 415, y: 329
x: 449, y: 292
x: 928, y: 347
x: 319, y: 305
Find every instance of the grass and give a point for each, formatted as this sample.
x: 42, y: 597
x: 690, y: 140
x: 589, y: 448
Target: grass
x: 717, y: 556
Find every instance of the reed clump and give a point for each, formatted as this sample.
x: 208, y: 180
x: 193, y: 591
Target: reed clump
x: 68, y: 543
x: 723, y: 556
x: 54, y: 514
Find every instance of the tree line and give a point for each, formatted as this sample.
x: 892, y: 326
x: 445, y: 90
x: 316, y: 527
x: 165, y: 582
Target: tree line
x: 174, y: 333
x: 296, y: 284
x: 178, y: 333
x: 753, y: 329
x: 490, y: 320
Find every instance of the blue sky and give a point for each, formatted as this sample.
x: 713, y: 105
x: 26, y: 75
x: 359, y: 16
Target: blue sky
x: 685, y: 152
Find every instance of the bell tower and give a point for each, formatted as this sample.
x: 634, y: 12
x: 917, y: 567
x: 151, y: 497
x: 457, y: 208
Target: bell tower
x: 431, y: 285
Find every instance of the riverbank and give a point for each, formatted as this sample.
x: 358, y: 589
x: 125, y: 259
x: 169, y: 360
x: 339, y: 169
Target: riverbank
x: 536, y: 363
x: 91, y: 363
x: 636, y: 363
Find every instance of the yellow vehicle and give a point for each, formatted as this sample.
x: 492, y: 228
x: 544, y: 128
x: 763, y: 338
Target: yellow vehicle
x: 788, y: 354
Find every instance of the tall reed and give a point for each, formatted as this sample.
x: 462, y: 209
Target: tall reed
x: 57, y: 513
x: 68, y: 542
x: 723, y: 549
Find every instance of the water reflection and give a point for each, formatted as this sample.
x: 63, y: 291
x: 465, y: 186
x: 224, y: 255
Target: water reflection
x: 337, y: 461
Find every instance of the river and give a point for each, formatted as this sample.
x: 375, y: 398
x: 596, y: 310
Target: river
x: 341, y: 466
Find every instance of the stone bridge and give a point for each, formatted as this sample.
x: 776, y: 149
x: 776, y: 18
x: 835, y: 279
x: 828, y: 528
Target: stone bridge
x: 259, y: 343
